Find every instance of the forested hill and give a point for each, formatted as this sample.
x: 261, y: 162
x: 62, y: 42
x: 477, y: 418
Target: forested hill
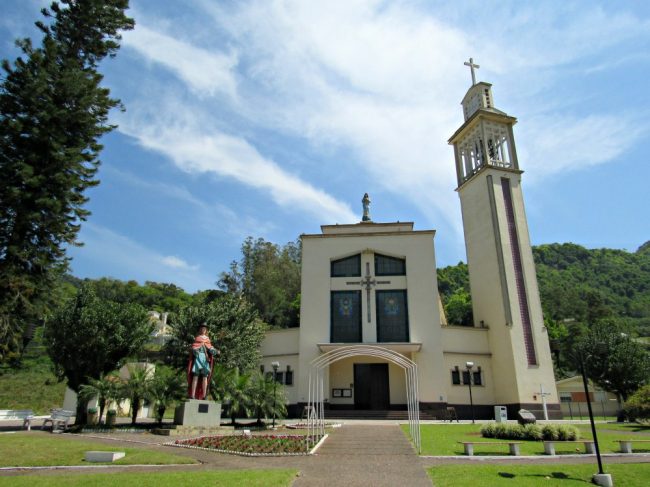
x: 576, y: 283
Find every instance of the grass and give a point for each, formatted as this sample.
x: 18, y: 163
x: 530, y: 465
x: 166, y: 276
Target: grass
x: 625, y: 427
x: 221, y: 478
x: 36, y: 449
x: 442, y: 439
x: 32, y: 385
x: 629, y: 475
x: 30, y: 389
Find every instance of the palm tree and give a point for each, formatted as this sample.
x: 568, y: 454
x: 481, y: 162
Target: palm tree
x: 232, y: 387
x: 166, y: 388
x: 137, y: 387
x: 105, y: 389
x: 267, y: 398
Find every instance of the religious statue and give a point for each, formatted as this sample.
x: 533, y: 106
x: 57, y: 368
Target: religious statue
x: 366, y: 208
x: 200, y: 364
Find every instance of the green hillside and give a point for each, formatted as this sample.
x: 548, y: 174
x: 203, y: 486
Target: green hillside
x: 575, y: 284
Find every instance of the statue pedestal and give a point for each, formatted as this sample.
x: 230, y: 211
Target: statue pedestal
x: 194, y: 412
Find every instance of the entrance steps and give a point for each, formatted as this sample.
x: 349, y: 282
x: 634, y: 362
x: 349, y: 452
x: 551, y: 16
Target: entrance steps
x: 373, y: 414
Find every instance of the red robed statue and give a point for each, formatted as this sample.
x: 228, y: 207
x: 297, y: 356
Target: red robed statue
x: 200, y: 364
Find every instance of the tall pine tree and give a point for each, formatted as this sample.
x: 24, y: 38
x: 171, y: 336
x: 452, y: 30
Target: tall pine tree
x: 53, y: 111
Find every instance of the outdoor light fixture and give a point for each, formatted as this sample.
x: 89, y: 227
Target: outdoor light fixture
x: 469, y: 366
x: 276, y: 366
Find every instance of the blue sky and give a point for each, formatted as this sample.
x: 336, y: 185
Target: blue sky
x: 270, y: 118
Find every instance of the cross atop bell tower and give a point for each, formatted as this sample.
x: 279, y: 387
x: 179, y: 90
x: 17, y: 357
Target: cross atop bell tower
x: 471, y: 67
x: 485, y: 138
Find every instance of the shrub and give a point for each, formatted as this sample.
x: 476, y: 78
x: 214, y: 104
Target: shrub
x: 637, y: 407
x: 565, y: 433
x: 560, y: 432
x: 516, y: 432
x: 500, y: 430
x: 532, y: 432
x: 487, y: 430
x: 92, y: 410
x: 549, y: 432
x: 511, y: 431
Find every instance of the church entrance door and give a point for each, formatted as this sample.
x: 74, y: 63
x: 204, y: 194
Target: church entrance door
x: 371, y: 386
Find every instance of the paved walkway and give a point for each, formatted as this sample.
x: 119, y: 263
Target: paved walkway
x: 377, y: 455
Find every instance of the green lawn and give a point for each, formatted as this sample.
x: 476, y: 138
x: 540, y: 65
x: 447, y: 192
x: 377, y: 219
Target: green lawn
x: 41, y: 449
x: 442, y: 439
x: 627, y: 474
x: 625, y: 427
x: 221, y: 478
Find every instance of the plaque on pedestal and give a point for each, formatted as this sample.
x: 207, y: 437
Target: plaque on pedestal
x: 194, y: 412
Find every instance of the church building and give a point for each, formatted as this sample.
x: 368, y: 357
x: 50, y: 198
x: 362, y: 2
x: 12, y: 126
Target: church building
x: 370, y: 298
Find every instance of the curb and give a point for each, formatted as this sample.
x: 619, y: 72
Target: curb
x: 108, y: 465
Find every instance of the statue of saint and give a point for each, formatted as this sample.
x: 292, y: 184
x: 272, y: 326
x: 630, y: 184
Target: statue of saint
x: 366, y: 208
x: 200, y: 364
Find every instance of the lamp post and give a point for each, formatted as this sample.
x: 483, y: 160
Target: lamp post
x: 276, y: 366
x: 469, y: 366
x: 600, y: 478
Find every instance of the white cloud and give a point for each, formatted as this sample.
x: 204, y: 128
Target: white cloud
x: 203, y: 149
x: 116, y: 255
x: 214, y: 218
x: 574, y: 143
x: 206, y: 72
x: 383, y: 82
x: 178, y: 263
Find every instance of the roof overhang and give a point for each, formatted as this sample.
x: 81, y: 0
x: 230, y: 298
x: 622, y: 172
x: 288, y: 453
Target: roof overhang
x: 399, y: 347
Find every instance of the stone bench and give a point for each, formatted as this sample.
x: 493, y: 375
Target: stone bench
x: 26, y: 415
x: 626, y: 445
x: 549, y: 446
x: 469, y: 446
x: 59, y: 419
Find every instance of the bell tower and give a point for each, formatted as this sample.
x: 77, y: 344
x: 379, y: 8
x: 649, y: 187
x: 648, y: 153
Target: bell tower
x: 502, y: 274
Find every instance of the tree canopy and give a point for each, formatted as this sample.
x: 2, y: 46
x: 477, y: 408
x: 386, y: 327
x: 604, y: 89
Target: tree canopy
x: 612, y: 359
x: 53, y: 111
x: 89, y: 337
x: 268, y: 276
x: 234, y: 327
x: 154, y: 296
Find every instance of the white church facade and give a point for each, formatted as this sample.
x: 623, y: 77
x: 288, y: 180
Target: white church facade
x: 374, y: 285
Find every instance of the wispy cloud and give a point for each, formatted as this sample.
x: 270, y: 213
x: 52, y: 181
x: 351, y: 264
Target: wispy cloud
x: 175, y: 133
x: 205, y: 72
x: 118, y: 254
x: 382, y: 81
x: 214, y: 218
x: 576, y: 143
x: 178, y: 263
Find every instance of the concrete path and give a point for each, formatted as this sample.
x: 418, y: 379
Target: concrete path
x: 377, y: 455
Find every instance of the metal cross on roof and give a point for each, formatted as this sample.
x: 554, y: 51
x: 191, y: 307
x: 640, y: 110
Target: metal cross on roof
x: 472, y: 66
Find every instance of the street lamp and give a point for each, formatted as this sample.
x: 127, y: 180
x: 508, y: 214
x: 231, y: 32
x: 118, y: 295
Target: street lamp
x: 600, y: 478
x: 276, y: 366
x: 469, y: 366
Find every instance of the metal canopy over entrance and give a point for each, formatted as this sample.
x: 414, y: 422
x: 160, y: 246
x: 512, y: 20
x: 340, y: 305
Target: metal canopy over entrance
x: 316, y: 417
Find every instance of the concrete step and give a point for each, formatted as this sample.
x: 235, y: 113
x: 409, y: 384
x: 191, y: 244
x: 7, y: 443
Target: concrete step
x: 373, y: 414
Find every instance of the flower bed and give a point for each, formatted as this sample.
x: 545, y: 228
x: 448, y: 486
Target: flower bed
x: 249, y: 444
